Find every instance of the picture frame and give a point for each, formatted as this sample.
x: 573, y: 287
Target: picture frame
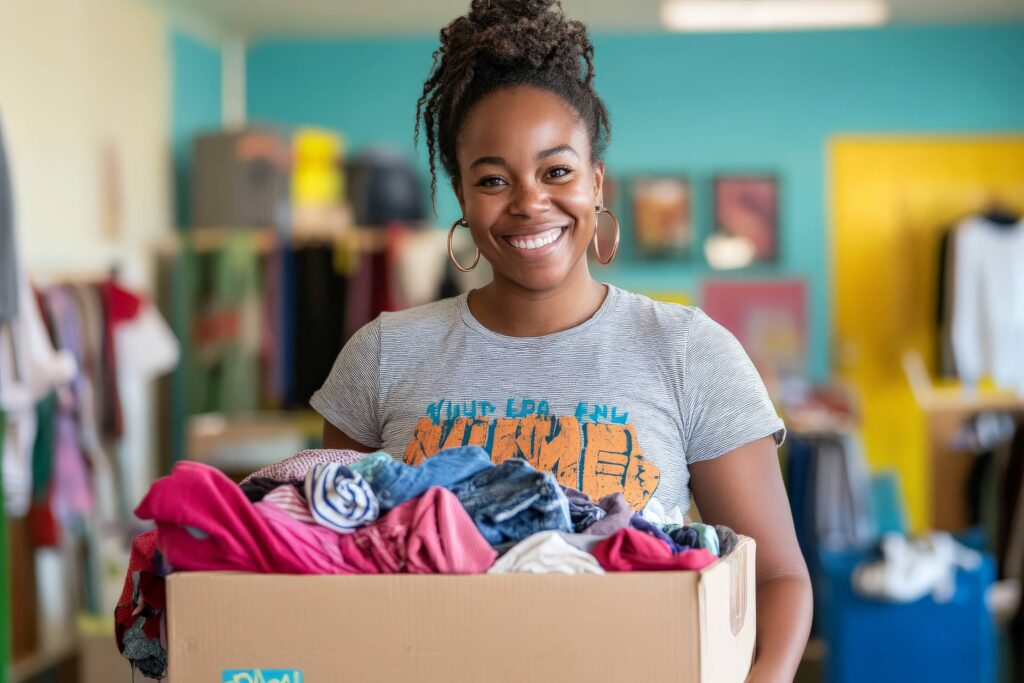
x: 769, y: 317
x: 662, y: 215
x: 746, y: 206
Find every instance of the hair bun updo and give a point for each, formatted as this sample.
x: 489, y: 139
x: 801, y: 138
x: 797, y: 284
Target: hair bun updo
x: 503, y: 43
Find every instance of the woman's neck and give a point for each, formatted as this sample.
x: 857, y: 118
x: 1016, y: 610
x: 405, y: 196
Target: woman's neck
x: 511, y: 310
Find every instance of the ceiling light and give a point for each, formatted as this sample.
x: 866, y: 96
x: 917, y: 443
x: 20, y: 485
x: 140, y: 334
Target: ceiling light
x: 766, y: 15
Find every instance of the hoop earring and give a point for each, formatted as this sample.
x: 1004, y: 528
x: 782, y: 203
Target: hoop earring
x: 615, y: 245
x: 451, y: 254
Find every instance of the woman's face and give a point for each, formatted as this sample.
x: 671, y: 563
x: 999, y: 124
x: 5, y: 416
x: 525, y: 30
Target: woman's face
x: 527, y: 186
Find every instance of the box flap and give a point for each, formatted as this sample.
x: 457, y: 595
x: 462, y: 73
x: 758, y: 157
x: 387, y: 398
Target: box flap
x: 728, y: 615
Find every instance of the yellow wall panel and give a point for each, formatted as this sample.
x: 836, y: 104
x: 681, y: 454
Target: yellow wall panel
x: 892, y: 198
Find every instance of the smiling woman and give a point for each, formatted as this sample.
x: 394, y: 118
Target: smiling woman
x: 611, y: 392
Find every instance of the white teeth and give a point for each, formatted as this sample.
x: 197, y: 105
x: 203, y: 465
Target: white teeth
x: 536, y: 242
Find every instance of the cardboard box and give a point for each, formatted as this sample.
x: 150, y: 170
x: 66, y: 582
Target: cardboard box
x: 642, y: 626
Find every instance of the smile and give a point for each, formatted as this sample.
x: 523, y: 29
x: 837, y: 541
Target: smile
x: 537, y: 241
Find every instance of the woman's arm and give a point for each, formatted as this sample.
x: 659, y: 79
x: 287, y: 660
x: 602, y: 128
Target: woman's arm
x: 743, y: 490
x: 335, y: 438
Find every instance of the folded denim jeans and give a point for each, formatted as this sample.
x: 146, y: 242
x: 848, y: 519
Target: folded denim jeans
x: 395, y: 482
x: 512, y: 500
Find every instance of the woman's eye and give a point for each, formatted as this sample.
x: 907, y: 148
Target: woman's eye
x: 491, y: 181
x: 559, y: 171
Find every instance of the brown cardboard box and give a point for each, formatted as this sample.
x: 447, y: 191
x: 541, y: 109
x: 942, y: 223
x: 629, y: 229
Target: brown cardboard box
x: 642, y: 626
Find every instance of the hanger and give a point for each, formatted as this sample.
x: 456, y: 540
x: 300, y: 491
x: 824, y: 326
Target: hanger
x: 999, y: 214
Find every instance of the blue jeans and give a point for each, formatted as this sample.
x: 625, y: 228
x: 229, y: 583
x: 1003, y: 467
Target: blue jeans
x: 512, y: 501
x: 395, y: 482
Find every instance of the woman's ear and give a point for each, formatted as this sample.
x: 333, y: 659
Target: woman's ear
x: 599, y: 184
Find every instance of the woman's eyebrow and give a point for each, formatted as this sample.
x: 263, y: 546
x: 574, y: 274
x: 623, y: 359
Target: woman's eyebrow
x: 494, y: 161
x: 499, y: 161
x: 557, y: 150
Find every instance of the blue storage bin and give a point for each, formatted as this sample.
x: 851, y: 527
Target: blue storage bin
x: 879, y: 642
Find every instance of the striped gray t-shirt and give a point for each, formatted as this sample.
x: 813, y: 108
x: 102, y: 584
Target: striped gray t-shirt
x: 623, y: 402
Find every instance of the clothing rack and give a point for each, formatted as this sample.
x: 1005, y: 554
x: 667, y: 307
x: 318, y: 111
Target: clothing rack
x: 93, y: 264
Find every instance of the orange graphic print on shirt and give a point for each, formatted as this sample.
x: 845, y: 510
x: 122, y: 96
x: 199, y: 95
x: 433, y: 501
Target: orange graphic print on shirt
x: 598, y: 458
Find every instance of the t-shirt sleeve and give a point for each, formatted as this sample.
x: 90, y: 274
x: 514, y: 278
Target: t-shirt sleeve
x: 724, y: 402
x: 350, y: 396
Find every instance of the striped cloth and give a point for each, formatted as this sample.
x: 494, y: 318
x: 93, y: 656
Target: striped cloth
x: 339, y: 498
x: 288, y: 498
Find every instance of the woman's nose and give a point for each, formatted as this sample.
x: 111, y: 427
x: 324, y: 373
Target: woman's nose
x: 529, y: 198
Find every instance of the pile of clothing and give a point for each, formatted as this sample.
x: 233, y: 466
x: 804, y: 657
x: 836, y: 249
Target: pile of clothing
x: 344, y: 512
x: 906, y: 570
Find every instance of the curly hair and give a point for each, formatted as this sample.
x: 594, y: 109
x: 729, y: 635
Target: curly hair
x: 504, y: 43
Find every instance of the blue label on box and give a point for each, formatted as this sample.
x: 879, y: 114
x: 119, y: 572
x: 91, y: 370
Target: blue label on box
x: 261, y: 676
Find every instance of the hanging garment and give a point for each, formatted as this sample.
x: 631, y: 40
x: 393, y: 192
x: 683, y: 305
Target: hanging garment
x: 420, y: 267
x: 319, y: 329
x: 9, y: 283
x: 226, y: 333
x: 843, y: 513
x: 30, y: 368
x: 79, y: 331
x: 944, y: 301
x: 988, y: 303
x: 146, y: 349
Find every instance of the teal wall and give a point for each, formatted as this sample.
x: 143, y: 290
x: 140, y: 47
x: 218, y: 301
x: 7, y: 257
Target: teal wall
x: 195, y: 107
x: 696, y: 105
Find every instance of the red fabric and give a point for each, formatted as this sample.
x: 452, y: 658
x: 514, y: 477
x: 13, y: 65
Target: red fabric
x: 429, y: 534
x: 43, y: 528
x: 122, y: 304
x: 141, y: 560
x: 119, y: 306
x: 629, y: 550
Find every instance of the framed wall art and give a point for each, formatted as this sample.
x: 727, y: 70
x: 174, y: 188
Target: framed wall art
x: 662, y: 216
x: 747, y: 207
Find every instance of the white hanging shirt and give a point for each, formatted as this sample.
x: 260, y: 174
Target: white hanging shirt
x: 988, y: 303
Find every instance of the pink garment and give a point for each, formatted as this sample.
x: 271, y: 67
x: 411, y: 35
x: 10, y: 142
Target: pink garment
x: 205, y: 522
x: 629, y: 550
x: 72, y: 484
x: 323, y: 551
x: 289, y: 499
x: 227, y: 532
x: 431, y: 534
x: 295, y: 467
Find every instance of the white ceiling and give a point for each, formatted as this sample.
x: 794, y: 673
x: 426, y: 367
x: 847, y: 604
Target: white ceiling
x: 259, y: 18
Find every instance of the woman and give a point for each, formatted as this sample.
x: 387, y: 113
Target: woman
x: 607, y: 389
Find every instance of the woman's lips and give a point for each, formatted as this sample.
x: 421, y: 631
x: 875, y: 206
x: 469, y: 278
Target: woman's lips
x: 536, y: 242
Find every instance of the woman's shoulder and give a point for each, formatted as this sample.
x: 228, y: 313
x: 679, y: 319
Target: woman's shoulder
x: 427, y: 318
x: 652, y: 316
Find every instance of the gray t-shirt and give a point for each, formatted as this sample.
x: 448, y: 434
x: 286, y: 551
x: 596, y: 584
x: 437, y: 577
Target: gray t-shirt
x: 623, y: 402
